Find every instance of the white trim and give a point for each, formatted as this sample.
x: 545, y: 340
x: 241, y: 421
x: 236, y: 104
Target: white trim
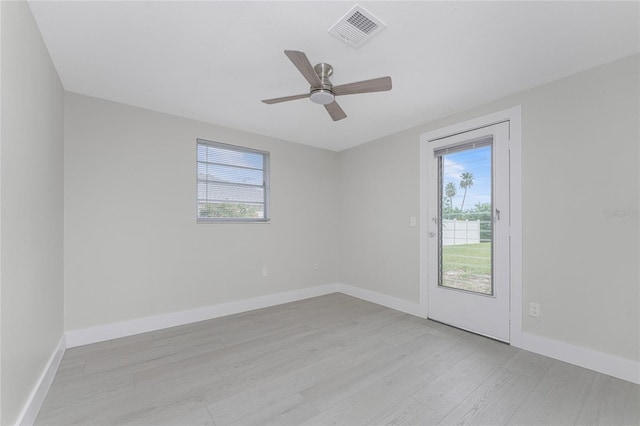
x: 604, y: 363
x: 514, y: 116
x: 424, y: 232
x: 601, y: 362
x: 32, y: 406
x: 515, y: 229
x: 101, y: 333
x: 396, y: 303
x: 105, y: 332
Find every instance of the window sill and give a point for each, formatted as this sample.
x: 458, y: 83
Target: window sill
x: 232, y: 220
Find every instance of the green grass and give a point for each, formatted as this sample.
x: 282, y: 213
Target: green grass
x: 467, y: 258
x: 467, y: 267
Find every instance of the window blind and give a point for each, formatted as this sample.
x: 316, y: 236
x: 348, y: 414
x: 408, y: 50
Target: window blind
x: 232, y: 183
x: 477, y: 143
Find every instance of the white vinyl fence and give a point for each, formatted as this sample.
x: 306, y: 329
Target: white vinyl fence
x: 456, y: 232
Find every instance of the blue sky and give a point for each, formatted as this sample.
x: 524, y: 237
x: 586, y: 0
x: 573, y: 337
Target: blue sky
x: 478, y: 162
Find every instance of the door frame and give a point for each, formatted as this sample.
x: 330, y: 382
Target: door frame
x: 513, y: 116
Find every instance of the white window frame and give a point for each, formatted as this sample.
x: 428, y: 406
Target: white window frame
x: 265, y: 184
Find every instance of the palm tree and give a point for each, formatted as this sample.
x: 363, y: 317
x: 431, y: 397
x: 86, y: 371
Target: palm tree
x: 466, y: 181
x: 450, y: 191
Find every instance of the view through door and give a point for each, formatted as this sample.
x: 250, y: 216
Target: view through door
x: 465, y: 232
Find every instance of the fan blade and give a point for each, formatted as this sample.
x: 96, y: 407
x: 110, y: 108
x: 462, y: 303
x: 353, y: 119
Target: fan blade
x: 335, y: 111
x: 301, y: 62
x: 381, y: 84
x: 285, y: 99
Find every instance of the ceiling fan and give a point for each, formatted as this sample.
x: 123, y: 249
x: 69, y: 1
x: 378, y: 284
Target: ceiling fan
x: 322, y: 91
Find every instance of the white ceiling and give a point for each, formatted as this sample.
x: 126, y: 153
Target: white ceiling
x: 214, y: 61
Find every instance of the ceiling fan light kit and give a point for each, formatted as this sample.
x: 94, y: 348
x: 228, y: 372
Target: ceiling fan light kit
x: 322, y: 96
x: 322, y: 91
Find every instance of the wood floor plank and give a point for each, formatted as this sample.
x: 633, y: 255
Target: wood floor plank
x: 132, y: 361
x: 290, y: 410
x: 68, y: 393
x: 188, y: 417
x: 376, y: 399
x: 408, y: 412
x: 200, y: 367
x: 234, y: 405
x: 144, y: 406
x: 611, y: 401
x: 70, y: 368
x: 329, y: 392
x: 557, y: 398
x: 494, y: 401
x: 525, y: 362
x: 333, y: 359
x: 498, y: 397
x: 449, y: 389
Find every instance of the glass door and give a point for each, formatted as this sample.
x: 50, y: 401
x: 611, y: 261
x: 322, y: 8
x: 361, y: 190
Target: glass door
x: 469, y: 231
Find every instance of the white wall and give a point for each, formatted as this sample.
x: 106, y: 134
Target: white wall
x: 580, y: 159
x: 132, y: 245
x: 31, y: 200
x: 379, y: 251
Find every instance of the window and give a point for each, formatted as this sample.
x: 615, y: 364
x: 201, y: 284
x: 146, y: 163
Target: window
x: 233, y: 183
x: 465, y: 216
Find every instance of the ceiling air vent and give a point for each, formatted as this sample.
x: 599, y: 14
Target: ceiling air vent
x: 357, y: 27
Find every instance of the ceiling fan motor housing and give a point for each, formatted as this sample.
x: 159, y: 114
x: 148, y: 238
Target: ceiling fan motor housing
x: 323, y: 95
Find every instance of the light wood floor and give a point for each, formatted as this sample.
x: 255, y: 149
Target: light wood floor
x: 328, y: 360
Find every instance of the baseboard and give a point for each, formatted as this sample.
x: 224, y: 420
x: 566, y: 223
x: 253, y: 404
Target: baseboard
x: 604, y: 363
x: 142, y: 325
x: 612, y: 365
x: 31, y: 408
x: 398, y: 304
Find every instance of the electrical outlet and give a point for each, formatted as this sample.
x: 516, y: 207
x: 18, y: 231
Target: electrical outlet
x: 265, y: 271
x: 534, y: 310
x: 315, y: 266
